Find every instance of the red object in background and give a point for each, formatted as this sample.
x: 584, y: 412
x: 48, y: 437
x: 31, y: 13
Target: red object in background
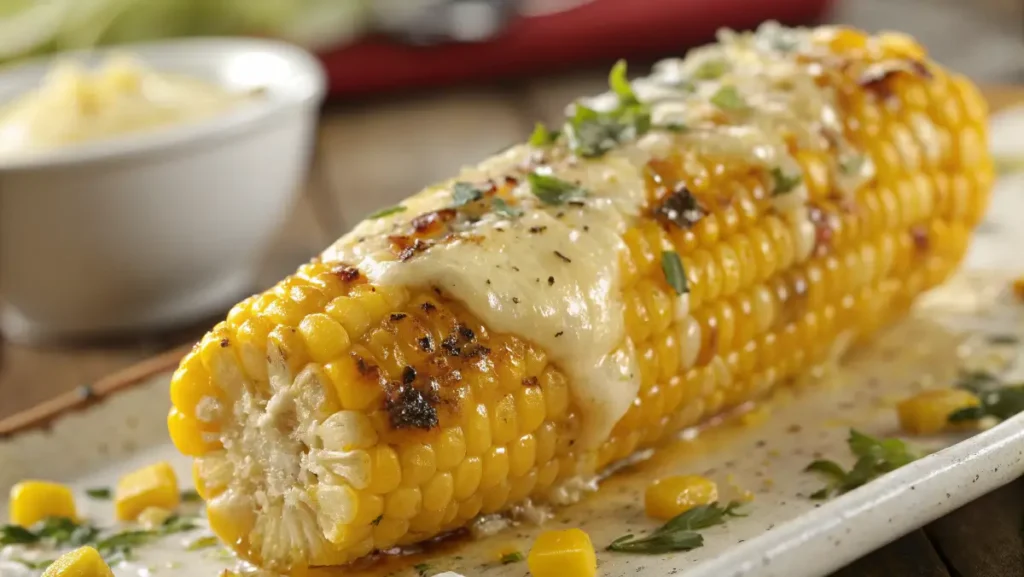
x: 601, y: 30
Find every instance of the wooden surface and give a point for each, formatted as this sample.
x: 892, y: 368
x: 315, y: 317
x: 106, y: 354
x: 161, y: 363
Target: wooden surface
x: 371, y: 156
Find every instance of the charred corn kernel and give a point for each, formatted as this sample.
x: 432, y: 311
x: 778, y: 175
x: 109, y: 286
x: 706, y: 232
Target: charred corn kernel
x: 561, y: 554
x: 334, y: 415
x: 33, y: 501
x: 82, y: 562
x: 668, y: 497
x: 928, y: 412
x: 152, y: 486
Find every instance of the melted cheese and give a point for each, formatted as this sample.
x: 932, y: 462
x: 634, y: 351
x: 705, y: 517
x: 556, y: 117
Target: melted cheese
x: 499, y: 269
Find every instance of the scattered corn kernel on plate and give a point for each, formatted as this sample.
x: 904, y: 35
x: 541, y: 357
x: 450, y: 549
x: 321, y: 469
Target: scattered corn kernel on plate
x: 611, y: 351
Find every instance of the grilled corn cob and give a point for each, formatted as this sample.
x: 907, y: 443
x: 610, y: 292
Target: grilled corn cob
x: 687, y: 243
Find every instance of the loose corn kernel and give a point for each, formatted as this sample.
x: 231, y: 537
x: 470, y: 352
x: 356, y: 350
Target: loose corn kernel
x: 33, y: 501
x: 152, y: 486
x: 562, y: 554
x: 668, y: 497
x: 928, y: 412
x: 82, y: 562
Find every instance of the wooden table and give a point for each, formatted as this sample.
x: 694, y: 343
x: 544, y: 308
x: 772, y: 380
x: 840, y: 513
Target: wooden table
x: 369, y: 156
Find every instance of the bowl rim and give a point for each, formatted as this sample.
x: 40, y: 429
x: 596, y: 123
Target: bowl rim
x: 310, y: 74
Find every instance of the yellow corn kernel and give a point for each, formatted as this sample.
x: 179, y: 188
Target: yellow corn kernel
x: 82, y: 562
x: 928, y: 412
x: 152, y: 486
x: 562, y: 554
x: 385, y: 471
x: 187, y: 434
x: 192, y: 387
x: 325, y: 338
x: 668, y: 497
x: 33, y: 501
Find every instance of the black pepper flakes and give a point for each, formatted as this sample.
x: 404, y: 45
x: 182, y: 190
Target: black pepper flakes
x: 562, y: 256
x: 576, y: 203
x: 586, y: 228
x: 428, y: 307
x: 224, y: 343
x: 515, y: 300
x: 559, y: 333
x: 395, y: 317
x: 537, y: 229
x: 426, y: 344
x: 551, y: 281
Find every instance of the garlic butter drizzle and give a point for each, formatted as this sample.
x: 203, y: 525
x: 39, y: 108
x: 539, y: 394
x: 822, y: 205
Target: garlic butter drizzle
x: 499, y: 269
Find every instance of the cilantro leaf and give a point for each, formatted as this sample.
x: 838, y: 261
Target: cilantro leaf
x: 99, y: 493
x: 542, y: 136
x: 679, y: 533
x: 875, y: 457
x: 591, y: 133
x: 504, y: 209
x: 728, y: 98
x: 464, y: 193
x: 672, y: 266
x: 552, y: 190
x: 388, y: 211
x: 784, y: 183
x: 190, y: 496
x: 513, y: 557
x: 1001, y: 403
x: 16, y: 535
x: 620, y: 85
x: 711, y: 69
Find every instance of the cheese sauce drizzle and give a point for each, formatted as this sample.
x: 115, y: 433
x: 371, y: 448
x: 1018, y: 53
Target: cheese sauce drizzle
x: 550, y: 273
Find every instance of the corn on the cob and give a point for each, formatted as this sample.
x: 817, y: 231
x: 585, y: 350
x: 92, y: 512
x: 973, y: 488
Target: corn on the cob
x: 782, y: 192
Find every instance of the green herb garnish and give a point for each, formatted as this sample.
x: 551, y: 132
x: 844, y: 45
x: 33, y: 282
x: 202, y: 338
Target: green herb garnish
x: 177, y: 524
x: 464, y: 193
x: 1002, y: 339
x: 33, y: 564
x: 711, y: 69
x: 620, y: 85
x: 421, y: 569
x: 542, y: 136
x: 728, y: 98
x: 591, y: 133
x: 376, y: 521
x: 99, y: 493
x: 677, y: 127
x: 388, y: 211
x: 679, y: 533
x: 783, y: 183
x: 672, y: 266
x: 16, y: 535
x: 504, y: 209
x: 875, y: 457
x: 1000, y: 403
x: 553, y: 190
x: 852, y: 164
x: 513, y: 557
x: 204, y: 542
x: 190, y: 496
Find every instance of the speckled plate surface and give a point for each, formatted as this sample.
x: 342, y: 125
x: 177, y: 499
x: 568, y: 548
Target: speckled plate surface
x: 784, y: 534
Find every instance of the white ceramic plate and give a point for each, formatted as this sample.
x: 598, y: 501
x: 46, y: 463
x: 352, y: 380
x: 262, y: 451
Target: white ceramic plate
x: 784, y: 534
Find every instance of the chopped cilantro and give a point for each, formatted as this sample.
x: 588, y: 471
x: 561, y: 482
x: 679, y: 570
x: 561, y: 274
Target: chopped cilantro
x: 504, y: 209
x: 542, y: 136
x: 99, y: 493
x: 728, y: 98
x: 16, y: 535
x: 513, y: 557
x: 421, y: 569
x: 1001, y: 403
x: 464, y: 193
x: 677, y: 127
x: 553, y: 190
x: 388, y: 211
x: 875, y: 457
x: 190, y: 496
x: 783, y: 183
x: 679, y: 533
x: 376, y: 521
x: 620, y: 85
x: 672, y: 266
x: 591, y: 133
x: 204, y: 542
x: 711, y: 69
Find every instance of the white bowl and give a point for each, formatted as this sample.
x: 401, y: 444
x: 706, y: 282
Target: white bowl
x: 163, y: 228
